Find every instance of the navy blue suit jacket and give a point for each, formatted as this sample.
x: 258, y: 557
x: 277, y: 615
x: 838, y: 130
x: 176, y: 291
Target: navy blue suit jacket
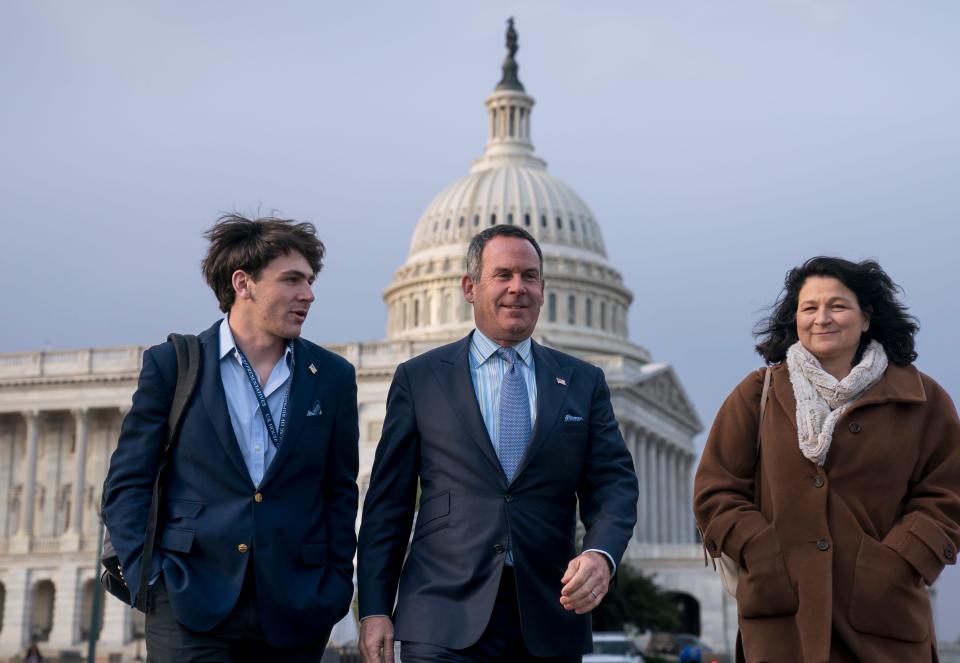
x: 469, y: 514
x: 299, y: 536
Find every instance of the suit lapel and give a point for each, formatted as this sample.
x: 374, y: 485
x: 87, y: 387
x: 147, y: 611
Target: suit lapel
x: 453, y: 372
x: 551, y: 394
x: 215, y: 400
x: 302, y: 395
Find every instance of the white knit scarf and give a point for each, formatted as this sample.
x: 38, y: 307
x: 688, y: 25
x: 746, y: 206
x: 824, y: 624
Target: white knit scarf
x: 822, y: 399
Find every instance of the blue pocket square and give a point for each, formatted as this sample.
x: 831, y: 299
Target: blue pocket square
x: 572, y: 418
x: 315, y: 410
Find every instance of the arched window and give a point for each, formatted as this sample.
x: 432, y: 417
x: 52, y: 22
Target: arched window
x: 573, y: 226
x: 572, y: 310
x: 513, y: 112
x: 41, y: 611
x: 551, y: 307
x: 493, y: 219
x: 461, y: 222
x: 447, y: 225
x: 589, y: 312
x: 416, y: 312
x: 543, y: 220
x: 476, y: 219
x: 603, y: 315
x: 559, y: 223
x: 510, y: 218
x: 526, y: 220
x: 86, y: 610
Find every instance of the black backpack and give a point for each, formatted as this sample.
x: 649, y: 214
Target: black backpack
x: 188, y: 373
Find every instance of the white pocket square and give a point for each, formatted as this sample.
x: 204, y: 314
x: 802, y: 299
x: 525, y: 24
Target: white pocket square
x: 315, y: 410
x: 572, y: 418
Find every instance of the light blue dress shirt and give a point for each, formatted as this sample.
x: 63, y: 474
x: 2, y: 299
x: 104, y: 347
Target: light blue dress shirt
x: 487, y: 369
x: 252, y: 436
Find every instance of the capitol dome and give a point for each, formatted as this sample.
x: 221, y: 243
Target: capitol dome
x: 586, y: 303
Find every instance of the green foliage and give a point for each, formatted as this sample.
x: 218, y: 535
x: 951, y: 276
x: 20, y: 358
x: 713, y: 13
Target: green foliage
x: 636, y: 600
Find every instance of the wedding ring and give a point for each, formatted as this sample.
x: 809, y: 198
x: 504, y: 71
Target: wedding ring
x: 594, y: 594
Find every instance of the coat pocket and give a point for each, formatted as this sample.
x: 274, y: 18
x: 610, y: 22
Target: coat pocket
x: 764, y: 588
x: 889, y: 598
x: 176, y: 539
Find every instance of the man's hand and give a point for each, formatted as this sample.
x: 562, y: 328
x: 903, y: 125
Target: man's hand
x: 376, y: 635
x: 585, y: 583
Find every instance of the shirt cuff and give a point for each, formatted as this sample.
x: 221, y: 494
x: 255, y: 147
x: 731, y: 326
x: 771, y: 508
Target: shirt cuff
x: 613, y: 565
x: 369, y: 616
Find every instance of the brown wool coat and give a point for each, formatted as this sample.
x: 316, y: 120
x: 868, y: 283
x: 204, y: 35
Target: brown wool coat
x: 845, y: 548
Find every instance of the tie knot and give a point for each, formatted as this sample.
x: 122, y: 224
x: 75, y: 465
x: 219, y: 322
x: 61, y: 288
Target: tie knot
x: 509, y: 355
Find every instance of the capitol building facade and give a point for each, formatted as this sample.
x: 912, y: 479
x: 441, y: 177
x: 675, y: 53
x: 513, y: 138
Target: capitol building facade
x: 60, y: 411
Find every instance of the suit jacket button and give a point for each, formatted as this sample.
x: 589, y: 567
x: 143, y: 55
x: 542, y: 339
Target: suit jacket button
x: 499, y: 549
x: 712, y: 545
x: 948, y: 553
x: 258, y: 498
x: 818, y: 481
x: 854, y: 427
x: 243, y: 547
x: 823, y: 545
x: 508, y: 497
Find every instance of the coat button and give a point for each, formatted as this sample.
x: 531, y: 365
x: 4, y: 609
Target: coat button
x: 258, y: 498
x: 712, y: 545
x: 499, y: 549
x: 508, y: 497
x: 948, y: 553
x: 854, y: 427
x: 823, y: 545
x: 818, y: 481
x: 243, y: 547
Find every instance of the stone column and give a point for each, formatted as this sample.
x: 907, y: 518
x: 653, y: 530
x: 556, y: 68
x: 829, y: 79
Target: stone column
x: 671, y: 493
x: 688, y: 477
x: 651, y: 489
x: 66, y: 607
x: 663, y: 496
x: 640, y: 465
x: 81, y: 419
x: 25, y: 526
x: 683, y: 504
x: 116, y: 620
x: 13, y: 636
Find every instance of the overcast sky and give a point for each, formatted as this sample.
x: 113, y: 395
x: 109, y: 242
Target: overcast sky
x: 718, y: 145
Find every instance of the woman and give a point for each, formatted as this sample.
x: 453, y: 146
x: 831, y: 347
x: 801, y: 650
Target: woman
x: 850, y: 506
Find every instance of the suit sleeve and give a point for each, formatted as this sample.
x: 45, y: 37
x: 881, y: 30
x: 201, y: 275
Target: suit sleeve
x: 723, y: 488
x: 340, y: 481
x: 608, y: 490
x: 389, y: 504
x: 928, y: 533
x: 133, y: 467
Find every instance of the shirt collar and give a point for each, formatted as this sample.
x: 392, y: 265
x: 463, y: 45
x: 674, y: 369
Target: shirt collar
x: 228, y: 344
x: 483, y: 348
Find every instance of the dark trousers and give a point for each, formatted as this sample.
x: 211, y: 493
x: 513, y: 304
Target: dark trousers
x: 237, y: 639
x: 501, y: 641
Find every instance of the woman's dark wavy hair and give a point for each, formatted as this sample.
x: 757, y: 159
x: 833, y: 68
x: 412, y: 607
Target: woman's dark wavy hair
x: 890, y: 324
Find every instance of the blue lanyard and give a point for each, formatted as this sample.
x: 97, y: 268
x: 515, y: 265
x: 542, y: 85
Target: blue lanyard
x: 276, y: 436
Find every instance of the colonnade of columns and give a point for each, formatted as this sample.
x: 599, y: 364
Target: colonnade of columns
x: 35, y: 461
x: 664, y: 471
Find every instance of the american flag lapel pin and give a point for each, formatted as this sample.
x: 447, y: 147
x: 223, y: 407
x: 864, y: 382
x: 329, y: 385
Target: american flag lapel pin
x: 562, y: 381
x: 312, y: 369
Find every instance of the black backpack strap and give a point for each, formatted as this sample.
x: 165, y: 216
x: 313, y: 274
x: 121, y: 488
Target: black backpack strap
x: 188, y: 374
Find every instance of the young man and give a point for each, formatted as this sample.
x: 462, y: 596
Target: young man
x: 256, y: 529
x: 506, y: 437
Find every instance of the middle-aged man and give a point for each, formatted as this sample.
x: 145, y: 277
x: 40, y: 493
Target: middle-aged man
x: 505, y: 436
x: 256, y: 529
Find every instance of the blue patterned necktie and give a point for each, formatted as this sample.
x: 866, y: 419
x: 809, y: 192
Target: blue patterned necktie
x: 514, y: 414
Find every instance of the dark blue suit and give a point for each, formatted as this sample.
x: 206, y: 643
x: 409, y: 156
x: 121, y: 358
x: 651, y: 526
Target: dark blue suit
x: 298, y: 534
x: 469, y: 514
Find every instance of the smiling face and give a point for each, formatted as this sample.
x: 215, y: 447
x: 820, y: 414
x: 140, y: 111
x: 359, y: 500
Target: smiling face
x: 830, y: 321
x: 276, y: 303
x: 509, y: 293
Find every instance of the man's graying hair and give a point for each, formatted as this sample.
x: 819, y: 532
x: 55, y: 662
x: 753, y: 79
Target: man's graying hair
x: 473, y: 261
